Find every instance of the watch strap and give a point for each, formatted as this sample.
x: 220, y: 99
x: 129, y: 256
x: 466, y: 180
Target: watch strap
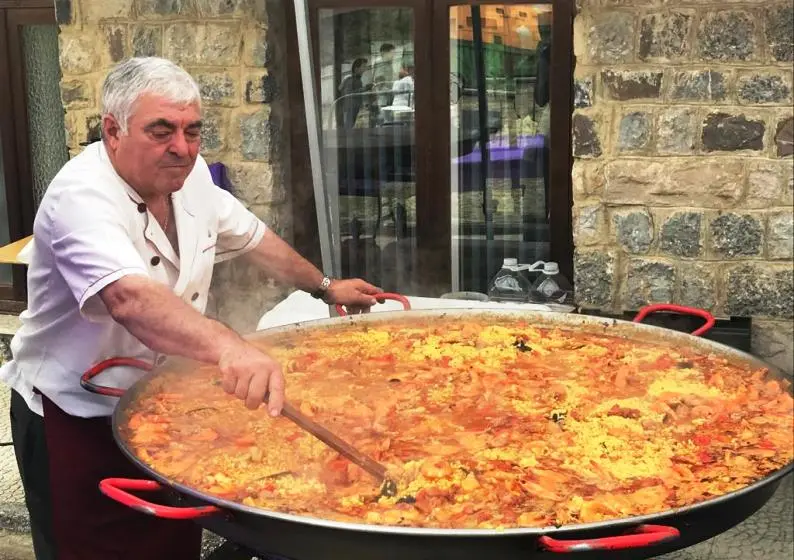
x: 319, y: 293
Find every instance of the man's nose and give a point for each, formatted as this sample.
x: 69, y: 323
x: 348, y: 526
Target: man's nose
x: 179, y: 145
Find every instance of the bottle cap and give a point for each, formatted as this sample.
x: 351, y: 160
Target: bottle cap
x: 551, y: 268
x: 510, y: 262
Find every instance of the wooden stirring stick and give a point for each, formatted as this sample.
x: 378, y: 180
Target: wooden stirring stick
x: 388, y: 488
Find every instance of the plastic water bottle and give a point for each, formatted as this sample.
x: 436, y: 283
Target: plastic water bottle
x: 551, y: 286
x: 509, y: 284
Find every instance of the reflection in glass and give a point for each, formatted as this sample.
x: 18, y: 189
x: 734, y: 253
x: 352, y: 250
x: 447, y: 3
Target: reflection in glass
x: 499, y: 62
x: 366, y: 59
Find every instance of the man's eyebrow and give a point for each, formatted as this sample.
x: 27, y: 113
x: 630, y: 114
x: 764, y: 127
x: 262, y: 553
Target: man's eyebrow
x: 195, y: 124
x: 160, y: 122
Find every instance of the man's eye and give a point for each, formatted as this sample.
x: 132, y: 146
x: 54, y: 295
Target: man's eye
x: 161, y: 134
x: 193, y: 134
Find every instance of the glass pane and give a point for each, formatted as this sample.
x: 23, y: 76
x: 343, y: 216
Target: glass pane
x: 499, y: 109
x: 367, y: 97
x: 46, y: 127
x: 5, y: 269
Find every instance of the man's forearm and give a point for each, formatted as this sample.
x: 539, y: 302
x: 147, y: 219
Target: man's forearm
x: 282, y: 263
x: 163, y: 322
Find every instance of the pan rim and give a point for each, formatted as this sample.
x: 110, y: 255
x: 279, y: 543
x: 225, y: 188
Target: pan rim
x: 554, y: 318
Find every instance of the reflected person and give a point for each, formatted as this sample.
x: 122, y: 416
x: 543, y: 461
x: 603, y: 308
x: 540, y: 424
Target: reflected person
x: 350, y: 95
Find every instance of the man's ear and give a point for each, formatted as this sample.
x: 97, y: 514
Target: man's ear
x: 111, y: 131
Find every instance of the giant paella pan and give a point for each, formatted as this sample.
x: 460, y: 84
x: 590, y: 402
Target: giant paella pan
x: 510, y: 435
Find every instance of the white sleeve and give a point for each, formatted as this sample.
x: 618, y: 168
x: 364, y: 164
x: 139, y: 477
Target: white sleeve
x: 239, y: 230
x: 91, y: 245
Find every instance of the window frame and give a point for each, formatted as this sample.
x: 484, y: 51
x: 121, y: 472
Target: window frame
x: 15, y: 134
x: 433, y: 142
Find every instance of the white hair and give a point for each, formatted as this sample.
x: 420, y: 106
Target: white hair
x: 134, y: 77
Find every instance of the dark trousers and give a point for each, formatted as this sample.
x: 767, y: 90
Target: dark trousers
x: 85, y: 524
x: 30, y: 447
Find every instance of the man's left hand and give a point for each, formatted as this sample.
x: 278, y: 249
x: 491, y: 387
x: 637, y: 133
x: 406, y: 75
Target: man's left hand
x: 356, y: 295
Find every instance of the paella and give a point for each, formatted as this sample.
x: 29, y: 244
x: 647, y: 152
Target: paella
x: 482, y: 425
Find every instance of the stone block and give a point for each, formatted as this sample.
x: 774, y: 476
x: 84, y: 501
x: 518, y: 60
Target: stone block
x: 708, y: 183
x: 648, y: 281
x: 63, y: 12
x: 78, y: 53
x: 77, y: 94
x: 634, y: 131
x: 611, y: 37
x: 664, y: 36
x: 773, y: 342
x: 82, y: 126
x: 680, y: 234
x: 699, y: 85
x: 784, y: 137
x: 158, y: 9
x: 588, y: 179
x: 727, y: 36
x: 147, y: 40
x: 588, y: 224
x: 256, y: 51
x: 780, y: 235
x: 116, y: 38
x: 260, y: 88
x: 627, y: 85
x: 728, y: 133
x: 633, y: 230
x: 585, y: 137
x: 255, y: 135
x: 766, y: 183
x: 94, y: 12
x: 583, y: 92
x: 762, y: 289
x: 218, y: 88
x: 215, y: 123
x: 764, y: 89
x: 779, y: 31
x: 211, y: 44
x: 594, y: 277
x: 698, y: 285
x: 736, y: 235
x: 226, y: 8
x: 676, y: 131
x: 253, y: 183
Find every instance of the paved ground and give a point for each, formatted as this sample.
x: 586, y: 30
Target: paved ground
x: 768, y: 535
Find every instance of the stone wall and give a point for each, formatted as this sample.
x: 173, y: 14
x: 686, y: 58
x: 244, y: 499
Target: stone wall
x: 683, y: 160
x: 233, y: 49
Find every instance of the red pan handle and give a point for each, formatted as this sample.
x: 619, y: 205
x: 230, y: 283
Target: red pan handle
x: 380, y: 297
x: 648, y: 309
x: 642, y: 536
x: 90, y: 386
x: 114, y: 488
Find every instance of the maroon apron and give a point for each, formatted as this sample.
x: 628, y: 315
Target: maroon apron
x: 87, y: 525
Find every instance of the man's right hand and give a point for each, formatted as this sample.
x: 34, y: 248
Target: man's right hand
x: 251, y: 375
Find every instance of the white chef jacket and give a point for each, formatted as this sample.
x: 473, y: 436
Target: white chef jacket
x: 91, y: 229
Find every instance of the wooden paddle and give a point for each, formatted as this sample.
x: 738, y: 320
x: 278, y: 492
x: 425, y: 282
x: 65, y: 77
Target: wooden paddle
x: 388, y: 486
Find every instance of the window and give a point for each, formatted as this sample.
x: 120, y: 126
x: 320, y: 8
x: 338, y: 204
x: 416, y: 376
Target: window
x: 32, y: 136
x: 428, y: 188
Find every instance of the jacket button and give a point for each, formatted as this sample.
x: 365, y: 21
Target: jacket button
x: 142, y: 208
x: 155, y: 261
x: 194, y: 297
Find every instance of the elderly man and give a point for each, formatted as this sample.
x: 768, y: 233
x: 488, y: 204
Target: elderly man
x: 125, y: 240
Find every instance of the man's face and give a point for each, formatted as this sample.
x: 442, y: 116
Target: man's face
x: 160, y: 147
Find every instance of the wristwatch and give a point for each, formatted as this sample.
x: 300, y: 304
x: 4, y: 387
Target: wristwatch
x: 319, y: 293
